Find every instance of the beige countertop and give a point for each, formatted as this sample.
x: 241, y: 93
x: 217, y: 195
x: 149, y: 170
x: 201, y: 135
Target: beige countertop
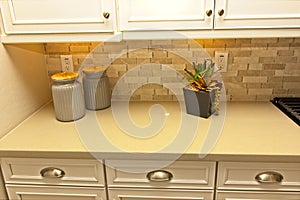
x: 250, y: 131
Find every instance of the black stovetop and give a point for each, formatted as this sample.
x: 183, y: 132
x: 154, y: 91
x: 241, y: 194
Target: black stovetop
x: 290, y: 106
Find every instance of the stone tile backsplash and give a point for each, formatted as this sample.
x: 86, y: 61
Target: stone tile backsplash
x: 258, y: 69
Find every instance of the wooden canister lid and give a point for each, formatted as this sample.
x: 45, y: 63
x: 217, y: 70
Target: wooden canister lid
x: 64, y: 76
x: 94, y: 69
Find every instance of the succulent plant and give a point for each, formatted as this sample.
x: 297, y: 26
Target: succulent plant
x: 202, y: 77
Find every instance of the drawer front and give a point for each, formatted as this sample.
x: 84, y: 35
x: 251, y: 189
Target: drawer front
x: 259, y: 176
x: 75, y: 172
x: 180, y: 174
x: 22, y: 192
x: 159, y: 194
x: 243, y: 195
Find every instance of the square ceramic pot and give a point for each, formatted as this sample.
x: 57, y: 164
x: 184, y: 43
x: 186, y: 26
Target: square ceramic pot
x: 199, y: 103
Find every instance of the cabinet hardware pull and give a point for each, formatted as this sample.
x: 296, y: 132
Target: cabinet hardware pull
x: 269, y: 177
x: 221, y: 12
x: 208, y: 13
x: 106, y: 15
x: 159, y: 176
x: 52, y: 172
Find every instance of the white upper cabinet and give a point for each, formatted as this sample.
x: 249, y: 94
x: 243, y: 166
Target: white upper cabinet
x: 208, y: 18
x: 253, y: 14
x: 56, y: 16
x: 114, y: 20
x: 165, y: 14
x: 57, y: 21
x: 202, y: 14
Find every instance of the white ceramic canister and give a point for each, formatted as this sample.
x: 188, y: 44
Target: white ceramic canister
x: 68, y: 98
x: 96, y: 88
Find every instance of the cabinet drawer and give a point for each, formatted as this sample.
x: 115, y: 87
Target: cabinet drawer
x: 159, y: 194
x: 246, y: 195
x: 236, y: 175
x: 75, y: 172
x: 148, y: 174
x: 23, y: 192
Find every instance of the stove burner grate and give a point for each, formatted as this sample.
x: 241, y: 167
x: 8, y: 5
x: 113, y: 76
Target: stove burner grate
x: 290, y: 106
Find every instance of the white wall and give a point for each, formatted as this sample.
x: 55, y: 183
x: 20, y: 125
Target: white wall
x: 24, y: 85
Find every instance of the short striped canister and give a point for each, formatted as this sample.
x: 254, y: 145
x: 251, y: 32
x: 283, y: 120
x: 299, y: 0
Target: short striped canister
x: 96, y: 87
x: 68, y: 99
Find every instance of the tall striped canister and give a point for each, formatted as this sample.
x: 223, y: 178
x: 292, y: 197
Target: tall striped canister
x: 68, y: 98
x: 96, y: 88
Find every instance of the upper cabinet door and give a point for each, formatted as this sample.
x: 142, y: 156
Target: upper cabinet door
x: 165, y: 14
x: 244, y: 14
x: 57, y: 16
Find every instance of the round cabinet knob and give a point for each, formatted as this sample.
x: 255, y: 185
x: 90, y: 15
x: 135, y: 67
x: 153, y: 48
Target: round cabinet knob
x: 159, y: 176
x: 269, y: 177
x: 221, y: 12
x: 52, y: 172
x: 106, y: 15
x: 208, y: 13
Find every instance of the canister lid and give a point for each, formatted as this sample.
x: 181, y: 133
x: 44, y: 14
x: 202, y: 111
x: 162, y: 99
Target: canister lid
x: 64, y: 76
x: 94, y: 69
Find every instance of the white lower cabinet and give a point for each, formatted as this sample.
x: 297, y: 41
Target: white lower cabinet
x: 246, y: 195
x: 25, y: 192
x: 53, y: 179
x: 158, y: 194
x: 73, y: 172
x: 155, y: 174
x: 153, y: 180
x: 259, y: 176
x: 258, y: 181
x: 84, y: 179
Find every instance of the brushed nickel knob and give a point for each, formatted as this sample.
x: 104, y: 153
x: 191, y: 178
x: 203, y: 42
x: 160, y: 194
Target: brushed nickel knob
x: 52, y: 172
x: 221, y: 12
x: 208, y: 13
x: 106, y: 15
x: 159, y: 176
x: 269, y: 177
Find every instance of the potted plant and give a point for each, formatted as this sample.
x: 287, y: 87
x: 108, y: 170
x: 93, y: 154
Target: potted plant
x: 203, y: 92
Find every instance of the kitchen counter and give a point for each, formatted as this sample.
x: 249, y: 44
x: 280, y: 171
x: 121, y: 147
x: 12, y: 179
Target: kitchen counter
x: 251, y: 131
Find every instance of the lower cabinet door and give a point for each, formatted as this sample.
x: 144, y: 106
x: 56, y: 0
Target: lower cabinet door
x: 243, y: 195
x: 22, y: 192
x: 159, y: 194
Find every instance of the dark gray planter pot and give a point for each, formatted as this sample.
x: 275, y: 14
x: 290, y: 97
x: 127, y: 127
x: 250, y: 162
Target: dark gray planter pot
x: 199, y: 103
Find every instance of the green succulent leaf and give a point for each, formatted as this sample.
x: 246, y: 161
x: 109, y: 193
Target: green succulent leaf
x: 201, y: 78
